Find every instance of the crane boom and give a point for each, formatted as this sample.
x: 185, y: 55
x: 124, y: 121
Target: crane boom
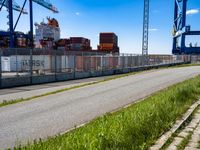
x: 15, y: 6
x: 47, y: 5
x: 11, y: 5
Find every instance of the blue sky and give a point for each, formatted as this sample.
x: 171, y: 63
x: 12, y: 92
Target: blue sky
x: 88, y: 18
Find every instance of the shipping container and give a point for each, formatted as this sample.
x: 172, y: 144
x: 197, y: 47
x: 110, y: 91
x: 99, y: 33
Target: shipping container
x: 108, y: 42
x: 5, y: 64
x: 22, y: 63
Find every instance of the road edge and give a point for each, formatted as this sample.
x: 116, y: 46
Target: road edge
x: 166, y: 136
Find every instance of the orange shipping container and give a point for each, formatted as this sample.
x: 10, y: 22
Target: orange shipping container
x: 107, y: 45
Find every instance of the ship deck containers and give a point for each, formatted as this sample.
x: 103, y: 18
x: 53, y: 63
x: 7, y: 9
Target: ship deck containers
x: 108, y: 41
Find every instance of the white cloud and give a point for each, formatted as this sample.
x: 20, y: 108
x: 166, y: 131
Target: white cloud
x: 153, y: 29
x: 77, y: 13
x: 192, y: 12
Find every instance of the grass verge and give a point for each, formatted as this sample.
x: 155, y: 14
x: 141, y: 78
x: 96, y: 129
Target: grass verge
x: 136, y: 127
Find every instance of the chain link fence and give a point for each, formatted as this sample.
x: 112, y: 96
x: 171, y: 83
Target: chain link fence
x: 29, y: 64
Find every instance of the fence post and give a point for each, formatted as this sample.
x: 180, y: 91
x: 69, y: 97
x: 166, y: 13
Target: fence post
x: 74, y: 67
x: 91, y: 69
x: 0, y: 69
x: 31, y: 65
x: 123, y: 61
x: 190, y: 59
x: 55, y: 55
x: 16, y: 66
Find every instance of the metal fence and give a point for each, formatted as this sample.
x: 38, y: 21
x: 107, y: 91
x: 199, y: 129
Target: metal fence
x: 195, y: 58
x: 16, y: 63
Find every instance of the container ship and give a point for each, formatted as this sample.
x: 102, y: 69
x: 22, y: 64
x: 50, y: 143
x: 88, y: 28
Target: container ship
x: 47, y: 36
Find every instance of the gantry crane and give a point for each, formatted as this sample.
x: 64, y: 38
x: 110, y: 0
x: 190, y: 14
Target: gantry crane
x: 145, y: 37
x: 11, y: 5
x: 16, y: 7
x: 181, y: 30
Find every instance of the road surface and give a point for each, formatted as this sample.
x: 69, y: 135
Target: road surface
x: 34, y: 90
x: 53, y: 114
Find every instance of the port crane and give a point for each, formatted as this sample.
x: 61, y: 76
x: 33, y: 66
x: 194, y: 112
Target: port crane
x: 181, y: 30
x: 11, y: 5
x: 145, y: 37
x: 16, y: 7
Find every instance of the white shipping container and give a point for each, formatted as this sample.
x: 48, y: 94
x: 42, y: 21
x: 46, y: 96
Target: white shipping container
x: 22, y: 63
x: 5, y: 64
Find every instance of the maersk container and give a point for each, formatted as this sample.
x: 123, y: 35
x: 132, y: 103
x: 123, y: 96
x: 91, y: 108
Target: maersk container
x: 22, y: 63
x: 5, y: 64
x: 47, y: 63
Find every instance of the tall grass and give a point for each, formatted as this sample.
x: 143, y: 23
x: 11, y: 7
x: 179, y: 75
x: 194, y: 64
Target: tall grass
x: 136, y: 127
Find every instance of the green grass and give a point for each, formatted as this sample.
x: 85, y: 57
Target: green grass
x: 136, y: 127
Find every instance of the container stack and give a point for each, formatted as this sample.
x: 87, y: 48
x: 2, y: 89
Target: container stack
x: 4, y: 42
x: 80, y: 44
x: 108, y: 42
x: 63, y: 43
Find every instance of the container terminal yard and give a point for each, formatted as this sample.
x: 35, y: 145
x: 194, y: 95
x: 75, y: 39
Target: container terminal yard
x: 52, y: 84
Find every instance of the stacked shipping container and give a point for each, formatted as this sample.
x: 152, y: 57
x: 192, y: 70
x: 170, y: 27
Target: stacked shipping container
x: 79, y: 43
x: 75, y: 44
x: 108, y: 42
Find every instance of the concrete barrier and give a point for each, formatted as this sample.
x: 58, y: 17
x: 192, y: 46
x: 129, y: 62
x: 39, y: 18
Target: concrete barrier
x: 64, y: 76
x: 27, y: 80
x: 43, y: 79
x: 81, y: 75
x: 107, y: 72
x: 15, y: 81
x: 96, y: 73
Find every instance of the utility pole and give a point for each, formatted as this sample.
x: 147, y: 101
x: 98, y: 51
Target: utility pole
x: 145, y: 37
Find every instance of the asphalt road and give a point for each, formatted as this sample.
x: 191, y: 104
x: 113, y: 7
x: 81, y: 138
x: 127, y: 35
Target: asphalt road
x: 20, y: 89
x: 35, y: 90
x: 50, y: 115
